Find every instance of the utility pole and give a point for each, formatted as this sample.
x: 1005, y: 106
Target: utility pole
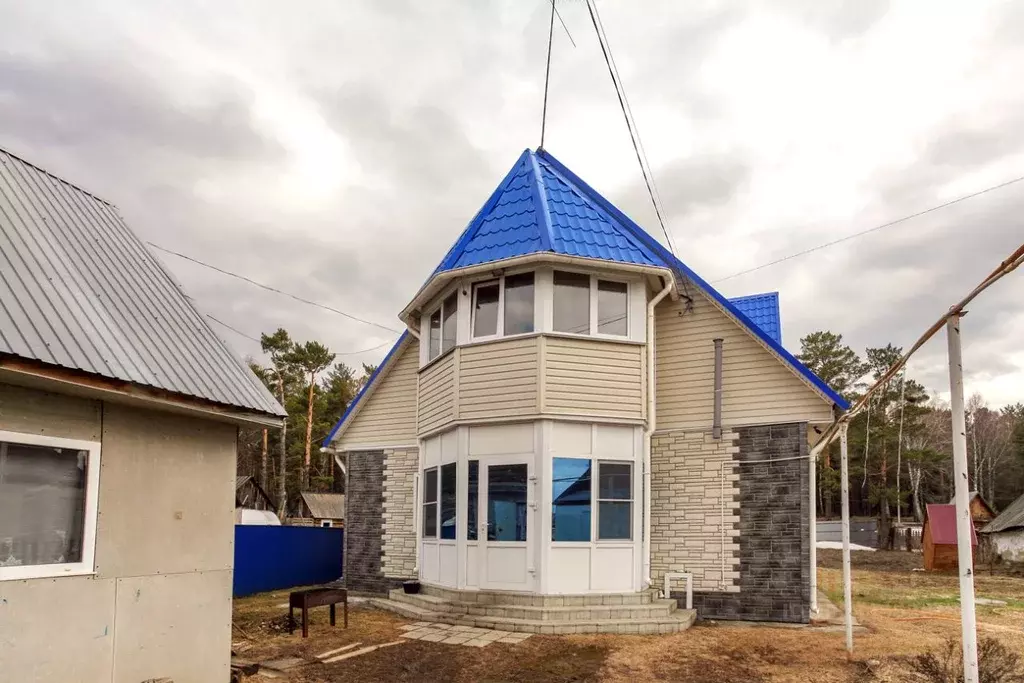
x: 844, y: 466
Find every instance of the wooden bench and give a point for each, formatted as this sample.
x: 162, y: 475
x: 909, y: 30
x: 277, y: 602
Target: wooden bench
x: 315, y: 597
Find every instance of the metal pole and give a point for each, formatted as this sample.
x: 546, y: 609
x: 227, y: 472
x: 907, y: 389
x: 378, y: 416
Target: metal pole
x: 812, y: 487
x: 847, y: 579
x: 965, y: 557
x: 899, y: 453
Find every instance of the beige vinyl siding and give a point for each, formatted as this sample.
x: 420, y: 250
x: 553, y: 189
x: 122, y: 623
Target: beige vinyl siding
x: 437, y: 393
x: 758, y: 388
x: 387, y: 416
x: 498, y: 379
x: 593, y: 377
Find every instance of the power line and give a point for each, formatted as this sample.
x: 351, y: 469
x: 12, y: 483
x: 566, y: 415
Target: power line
x: 547, y: 76
x: 562, y: 22
x: 272, y: 289
x: 634, y: 134
x: 258, y: 341
x: 874, y: 229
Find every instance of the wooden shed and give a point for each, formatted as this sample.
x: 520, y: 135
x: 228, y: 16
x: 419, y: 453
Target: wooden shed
x: 981, y: 512
x: 938, y: 540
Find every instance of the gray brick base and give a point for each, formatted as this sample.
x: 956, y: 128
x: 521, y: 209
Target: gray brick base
x: 364, y: 511
x: 774, y: 548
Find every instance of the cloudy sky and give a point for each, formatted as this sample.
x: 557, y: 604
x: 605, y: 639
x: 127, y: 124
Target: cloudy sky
x: 335, y: 149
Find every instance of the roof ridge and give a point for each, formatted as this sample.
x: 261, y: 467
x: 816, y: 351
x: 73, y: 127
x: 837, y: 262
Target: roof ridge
x: 547, y: 236
x: 57, y: 177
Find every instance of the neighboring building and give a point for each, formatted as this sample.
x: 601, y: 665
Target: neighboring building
x: 515, y: 436
x: 1005, y: 533
x: 981, y: 512
x: 320, y: 509
x: 250, y: 495
x: 938, y: 538
x: 119, y: 417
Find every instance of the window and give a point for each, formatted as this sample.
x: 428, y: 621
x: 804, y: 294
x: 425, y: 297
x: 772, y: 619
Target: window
x: 430, y: 503
x: 472, y: 500
x: 571, y: 302
x: 443, y: 327
x: 570, y: 499
x: 326, y: 523
x: 48, y: 490
x: 448, y: 504
x: 503, y: 307
x: 614, y: 501
x: 612, y: 308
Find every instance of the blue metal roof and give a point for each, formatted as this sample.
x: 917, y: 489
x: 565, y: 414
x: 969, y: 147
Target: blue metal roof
x: 763, y: 311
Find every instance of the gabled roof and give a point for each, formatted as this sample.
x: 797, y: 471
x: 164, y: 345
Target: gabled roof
x: 941, y: 519
x: 325, y: 505
x: 1011, y: 518
x: 763, y: 311
x: 79, y: 290
x: 971, y: 497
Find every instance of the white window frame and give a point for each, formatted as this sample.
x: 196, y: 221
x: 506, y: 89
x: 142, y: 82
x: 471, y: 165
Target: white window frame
x: 436, y: 503
x: 326, y: 524
x: 500, y: 327
x: 596, y: 493
x: 425, y: 326
x: 92, y: 489
x: 594, y: 277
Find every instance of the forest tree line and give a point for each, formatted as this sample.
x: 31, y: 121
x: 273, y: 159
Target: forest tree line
x: 901, y: 448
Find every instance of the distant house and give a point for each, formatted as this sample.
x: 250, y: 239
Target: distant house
x: 250, y: 495
x: 320, y: 509
x: 119, y: 417
x: 981, y: 512
x: 1006, y: 532
x: 938, y: 538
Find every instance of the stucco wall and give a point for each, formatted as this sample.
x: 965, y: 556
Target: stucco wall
x: 1009, y: 545
x: 164, y: 549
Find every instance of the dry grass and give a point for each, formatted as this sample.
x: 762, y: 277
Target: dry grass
x: 906, y: 614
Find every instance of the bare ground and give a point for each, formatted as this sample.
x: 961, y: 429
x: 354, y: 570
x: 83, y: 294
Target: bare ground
x: 905, y: 613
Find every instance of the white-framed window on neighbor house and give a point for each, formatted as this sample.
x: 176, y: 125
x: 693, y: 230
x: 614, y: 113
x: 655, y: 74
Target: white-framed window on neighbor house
x: 590, y: 305
x: 443, y: 327
x: 430, y: 502
x: 614, y: 501
x: 48, y: 505
x: 503, y: 307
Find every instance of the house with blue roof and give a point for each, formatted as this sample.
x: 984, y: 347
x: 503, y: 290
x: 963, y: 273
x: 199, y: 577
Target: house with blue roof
x: 575, y: 422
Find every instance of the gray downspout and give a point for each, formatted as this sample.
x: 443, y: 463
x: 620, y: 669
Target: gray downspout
x: 716, y: 427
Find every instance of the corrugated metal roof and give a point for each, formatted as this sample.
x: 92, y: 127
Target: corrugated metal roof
x: 941, y: 519
x: 763, y: 311
x: 79, y: 290
x: 325, y: 505
x: 1011, y: 518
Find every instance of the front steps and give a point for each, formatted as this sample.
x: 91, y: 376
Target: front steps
x: 546, y: 614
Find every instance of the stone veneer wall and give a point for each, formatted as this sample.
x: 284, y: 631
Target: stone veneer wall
x: 364, y: 521
x: 686, y: 508
x: 774, y: 523
x: 399, y: 534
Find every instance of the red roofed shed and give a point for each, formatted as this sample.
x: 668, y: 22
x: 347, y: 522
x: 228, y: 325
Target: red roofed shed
x: 938, y: 539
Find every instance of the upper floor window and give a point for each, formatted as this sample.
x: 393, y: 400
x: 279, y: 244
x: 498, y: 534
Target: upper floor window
x: 443, y: 326
x: 586, y: 304
x: 504, y: 306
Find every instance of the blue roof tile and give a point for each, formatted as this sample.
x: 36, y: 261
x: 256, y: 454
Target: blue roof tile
x: 763, y: 311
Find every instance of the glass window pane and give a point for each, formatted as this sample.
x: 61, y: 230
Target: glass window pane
x: 472, y: 521
x: 434, y: 347
x: 449, y: 321
x: 614, y: 481
x: 519, y: 303
x: 614, y: 520
x: 612, y: 308
x: 430, y: 520
x: 570, y: 496
x: 448, y: 505
x: 42, y: 504
x: 485, y: 309
x: 572, y: 303
x: 430, y: 485
x: 506, y: 503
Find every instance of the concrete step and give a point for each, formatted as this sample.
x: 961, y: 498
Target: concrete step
x: 657, y: 609
x: 678, y: 620
x: 645, y: 597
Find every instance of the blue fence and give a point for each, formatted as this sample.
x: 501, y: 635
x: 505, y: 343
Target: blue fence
x: 273, y: 557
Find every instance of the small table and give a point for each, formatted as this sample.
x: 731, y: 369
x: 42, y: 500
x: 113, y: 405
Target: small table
x: 315, y: 597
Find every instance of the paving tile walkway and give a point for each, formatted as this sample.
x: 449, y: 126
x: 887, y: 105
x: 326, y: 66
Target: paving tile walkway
x: 460, y: 635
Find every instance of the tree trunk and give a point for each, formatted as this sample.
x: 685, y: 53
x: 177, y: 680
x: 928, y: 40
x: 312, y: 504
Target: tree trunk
x: 282, y: 488
x: 263, y: 462
x: 915, y: 487
x: 309, y: 431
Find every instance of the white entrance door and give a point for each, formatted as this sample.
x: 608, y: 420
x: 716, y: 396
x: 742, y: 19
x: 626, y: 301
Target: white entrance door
x: 505, y: 528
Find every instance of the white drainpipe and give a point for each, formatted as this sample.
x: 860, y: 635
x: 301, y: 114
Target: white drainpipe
x: 651, y: 425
